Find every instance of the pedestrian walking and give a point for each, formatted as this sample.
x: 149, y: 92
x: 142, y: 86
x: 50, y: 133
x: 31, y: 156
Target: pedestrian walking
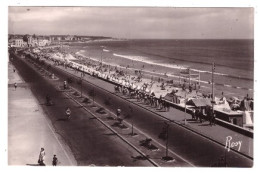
x: 201, y: 116
x: 68, y: 113
x: 15, y: 86
x: 168, y: 106
x: 193, y: 114
x: 118, y: 112
x: 14, y: 70
x: 54, y: 160
x: 41, y: 157
x: 196, y: 114
x: 214, y: 118
x: 65, y: 84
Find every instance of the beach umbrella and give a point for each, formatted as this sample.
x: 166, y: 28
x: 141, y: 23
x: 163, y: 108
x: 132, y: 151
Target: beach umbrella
x: 234, y: 98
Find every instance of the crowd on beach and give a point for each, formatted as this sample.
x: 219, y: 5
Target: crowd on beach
x: 158, y: 92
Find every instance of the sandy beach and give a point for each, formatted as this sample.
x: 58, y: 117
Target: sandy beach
x: 231, y: 87
x: 139, y: 76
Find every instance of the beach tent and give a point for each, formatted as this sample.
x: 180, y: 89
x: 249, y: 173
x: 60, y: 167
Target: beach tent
x: 172, y: 97
x: 169, y: 97
x: 247, y: 118
x: 244, y: 106
x: 147, y: 90
x: 221, y: 103
x: 199, y: 102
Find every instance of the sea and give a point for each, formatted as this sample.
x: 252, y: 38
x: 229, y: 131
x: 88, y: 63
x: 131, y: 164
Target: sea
x: 233, y: 60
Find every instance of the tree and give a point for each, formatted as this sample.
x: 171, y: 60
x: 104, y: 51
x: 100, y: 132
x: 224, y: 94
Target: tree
x: 25, y: 38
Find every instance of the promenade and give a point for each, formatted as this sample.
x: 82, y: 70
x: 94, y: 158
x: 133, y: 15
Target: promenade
x: 29, y: 130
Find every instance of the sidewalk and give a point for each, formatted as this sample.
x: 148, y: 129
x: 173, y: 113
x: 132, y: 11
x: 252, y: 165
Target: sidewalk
x: 29, y: 130
x: 217, y: 133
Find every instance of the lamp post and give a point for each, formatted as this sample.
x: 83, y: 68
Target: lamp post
x: 81, y: 81
x: 185, y: 100
x: 132, y: 124
x: 213, y: 101
x: 167, y: 157
x: 101, y: 56
x: 213, y: 69
x: 167, y: 139
x: 93, y: 95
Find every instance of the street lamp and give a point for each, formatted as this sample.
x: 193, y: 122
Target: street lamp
x: 81, y: 81
x: 185, y: 100
x: 132, y: 124
x: 93, y: 96
x: 166, y: 157
x: 101, y: 56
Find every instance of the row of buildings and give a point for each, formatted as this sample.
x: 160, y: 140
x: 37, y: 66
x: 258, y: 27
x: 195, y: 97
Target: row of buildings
x: 33, y: 40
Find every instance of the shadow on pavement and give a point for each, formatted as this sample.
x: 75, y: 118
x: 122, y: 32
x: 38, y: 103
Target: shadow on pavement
x: 139, y: 157
x: 62, y: 119
x: 204, y: 125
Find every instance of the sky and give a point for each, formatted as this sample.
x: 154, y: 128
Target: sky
x: 134, y: 22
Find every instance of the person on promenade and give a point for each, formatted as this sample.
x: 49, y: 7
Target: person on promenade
x: 210, y: 117
x: 160, y: 102
x: 118, y: 112
x: 201, y: 116
x: 54, y: 160
x: 48, y: 100
x: 196, y: 114
x: 41, y: 157
x: 65, y: 84
x: 193, y: 114
x: 214, y: 118
x: 68, y: 113
x: 15, y: 86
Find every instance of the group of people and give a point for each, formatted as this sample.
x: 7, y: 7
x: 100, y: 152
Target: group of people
x: 42, y: 158
x: 210, y: 115
x: 146, y: 98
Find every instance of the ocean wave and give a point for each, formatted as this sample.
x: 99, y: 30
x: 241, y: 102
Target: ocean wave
x: 93, y: 58
x: 178, y: 67
x: 146, y: 60
x: 105, y: 50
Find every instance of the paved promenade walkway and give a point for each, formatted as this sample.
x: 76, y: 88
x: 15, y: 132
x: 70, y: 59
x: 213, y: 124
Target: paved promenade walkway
x: 29, y: 129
